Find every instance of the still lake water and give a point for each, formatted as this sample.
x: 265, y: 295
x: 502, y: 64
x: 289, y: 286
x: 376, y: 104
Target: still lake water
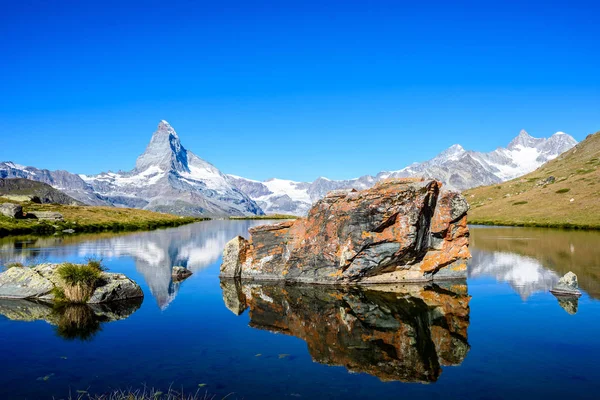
x: 499, y: 335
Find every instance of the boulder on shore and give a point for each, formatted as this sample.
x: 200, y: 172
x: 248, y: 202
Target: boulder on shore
x: 46, y: 215
x: 11, y: 210
x: 567, y: 286
x: 401, y: 230
x: 37, y: 283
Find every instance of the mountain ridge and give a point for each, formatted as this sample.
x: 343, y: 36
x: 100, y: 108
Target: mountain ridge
x: 166, y: 178
x: 456, y: 167
x: 169, y: 178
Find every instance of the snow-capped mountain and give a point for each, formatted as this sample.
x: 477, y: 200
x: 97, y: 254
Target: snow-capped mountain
x: 458, y: 168
x: 166, y: 178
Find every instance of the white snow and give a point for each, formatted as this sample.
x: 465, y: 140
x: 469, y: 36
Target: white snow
x: 281, y: 187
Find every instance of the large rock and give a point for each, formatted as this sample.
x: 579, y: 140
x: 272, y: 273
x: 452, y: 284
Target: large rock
x: 567, y: 286
x: 46, y: 215
x: 11, y: 210
x: 38, y: 283
x: 401, y: 230
x: 400, y: 332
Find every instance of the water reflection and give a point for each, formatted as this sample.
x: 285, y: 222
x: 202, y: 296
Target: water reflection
x: 72, y: 321
x: 525, y: 275
x: 532, y: 260
x: 155, y: 253
x: 394, y: 332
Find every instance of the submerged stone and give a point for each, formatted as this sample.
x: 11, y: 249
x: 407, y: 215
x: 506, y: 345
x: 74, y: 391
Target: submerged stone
x: 400, y: 230
x: 180, y: 273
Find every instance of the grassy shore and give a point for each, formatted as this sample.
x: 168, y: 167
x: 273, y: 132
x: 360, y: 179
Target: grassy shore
x: 89, y: 219
x: 272, y: 216
x: 563, y: 193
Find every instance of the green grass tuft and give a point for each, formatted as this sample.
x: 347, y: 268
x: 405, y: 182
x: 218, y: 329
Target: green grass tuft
x: 565, y: 190
x: 74, y: 274
x: 13, y: 265
x: 518, y: 203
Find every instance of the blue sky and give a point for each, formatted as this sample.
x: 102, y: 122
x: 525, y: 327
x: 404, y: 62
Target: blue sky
x: 294, y: 90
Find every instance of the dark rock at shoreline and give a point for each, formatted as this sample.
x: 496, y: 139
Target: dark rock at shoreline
x: 400, y: 230
x: 46, y: 215
x: 11, y: 210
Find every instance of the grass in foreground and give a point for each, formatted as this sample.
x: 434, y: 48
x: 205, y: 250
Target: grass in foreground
x: 563, y: 193
x: 273, y: 216
x: 89, y: 219
x: 144, y: 394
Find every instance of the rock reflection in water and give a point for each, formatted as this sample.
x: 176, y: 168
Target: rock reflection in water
x: 394, y: 332
x: 72, y: 321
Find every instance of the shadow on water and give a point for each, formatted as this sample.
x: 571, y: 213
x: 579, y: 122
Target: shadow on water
x: 394, y: 332
x: 71, y: 321
x: 532, y: 259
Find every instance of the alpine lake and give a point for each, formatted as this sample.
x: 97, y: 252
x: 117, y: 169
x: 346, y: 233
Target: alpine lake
x: 500, y: 334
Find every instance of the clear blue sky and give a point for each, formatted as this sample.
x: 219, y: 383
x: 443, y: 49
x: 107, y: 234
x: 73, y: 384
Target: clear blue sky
x: 339, y: 89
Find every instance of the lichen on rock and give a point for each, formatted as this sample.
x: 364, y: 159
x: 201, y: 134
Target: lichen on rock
x: 401, y: 230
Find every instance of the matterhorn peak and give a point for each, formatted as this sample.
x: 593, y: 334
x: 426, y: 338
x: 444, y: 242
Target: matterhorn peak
x: 164, y: 151
x: 165, y: 127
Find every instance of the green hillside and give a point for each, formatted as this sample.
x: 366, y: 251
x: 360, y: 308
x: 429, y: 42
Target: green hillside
x: 564, y: 192
x: 20, y: 189
x: 88, y: 219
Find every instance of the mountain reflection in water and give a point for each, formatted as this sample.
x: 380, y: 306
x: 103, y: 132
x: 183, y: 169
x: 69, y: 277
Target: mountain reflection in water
x: 532, y: 260
x: 394, y: 332
x: 155, y: 253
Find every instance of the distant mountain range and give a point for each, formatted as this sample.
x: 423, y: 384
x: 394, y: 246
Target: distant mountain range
x: 458, y: 168
x: 169, y: 178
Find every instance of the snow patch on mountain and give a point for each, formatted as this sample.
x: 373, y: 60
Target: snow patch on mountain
x: 456, y: 167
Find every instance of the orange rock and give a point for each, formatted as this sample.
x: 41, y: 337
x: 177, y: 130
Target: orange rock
x: 401, y: 229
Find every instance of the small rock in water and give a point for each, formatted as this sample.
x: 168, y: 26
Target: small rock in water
x: 567, y: 286
x: 180, y: 273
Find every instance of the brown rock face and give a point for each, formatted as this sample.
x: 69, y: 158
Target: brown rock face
x: 401, y: 230
x: 402, y: 332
